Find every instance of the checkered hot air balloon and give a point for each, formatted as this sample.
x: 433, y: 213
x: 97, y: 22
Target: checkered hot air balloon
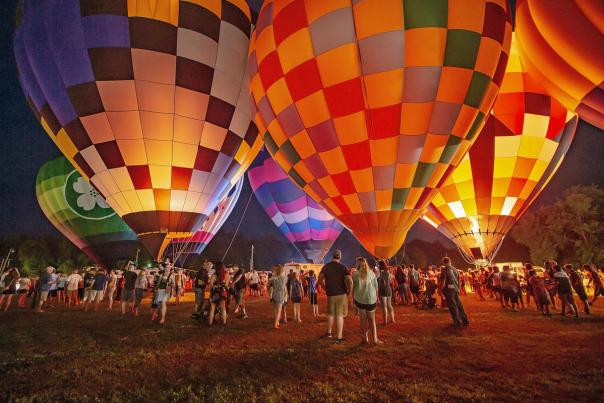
x: 561, y: 45
x: 195, y: 244
x: 310, y: 228
x: 518, y: 151
x: 147, y: 98
x: 369, y: 105
x: 76, y: 209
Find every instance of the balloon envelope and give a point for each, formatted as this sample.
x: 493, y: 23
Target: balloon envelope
x: 76, y: 209
x: 310, y: 228
x: 148, y: 99
x: 561, y: 45
x: 369, y: 105
x: 198, y: 242
x: 519, y: 149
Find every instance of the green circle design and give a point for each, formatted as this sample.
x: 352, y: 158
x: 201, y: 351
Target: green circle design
x: 71, y: 197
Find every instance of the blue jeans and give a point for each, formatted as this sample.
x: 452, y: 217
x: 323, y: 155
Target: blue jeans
x: 455, y: 307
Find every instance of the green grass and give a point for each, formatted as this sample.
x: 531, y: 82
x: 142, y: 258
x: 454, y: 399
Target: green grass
x: 69, y: 355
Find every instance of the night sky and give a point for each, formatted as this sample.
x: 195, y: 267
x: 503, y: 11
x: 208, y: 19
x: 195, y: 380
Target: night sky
x: 25, y: 147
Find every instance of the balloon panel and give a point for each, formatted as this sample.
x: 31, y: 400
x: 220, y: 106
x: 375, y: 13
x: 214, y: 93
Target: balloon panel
x: 560, y: 43
x: 369, y: 105
x: 198, y: 242
x: 145, y: 100
x: 81, y: 214
x: 519, y: 149
x: 299, y: 218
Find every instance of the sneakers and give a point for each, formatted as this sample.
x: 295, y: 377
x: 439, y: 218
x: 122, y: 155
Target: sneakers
x: 339, y: 341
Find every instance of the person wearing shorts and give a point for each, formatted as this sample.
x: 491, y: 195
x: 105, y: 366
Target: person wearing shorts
x: 44, y: 284
x: 73, y: 282
x: 239, y: 291
x: 199, y: 285
x: 312, y: 293
x: 10, y: 287
x: 365, y: 295
x: 130, y: 277
x: 565, y: 291
x: 97, y: 290
x: 335, y: 279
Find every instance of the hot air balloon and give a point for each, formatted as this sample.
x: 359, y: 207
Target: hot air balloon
x: 369, y: 105
x: 197, y: 243
x: 561, y: 45
x: 518, y: 151
x: 76, y: 209
x: 148, y: 99
x: 304, y: 223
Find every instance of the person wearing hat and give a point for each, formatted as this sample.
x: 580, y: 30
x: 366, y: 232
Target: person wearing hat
x: 336, y: 280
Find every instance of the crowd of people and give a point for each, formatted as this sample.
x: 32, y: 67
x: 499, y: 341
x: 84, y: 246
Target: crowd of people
x: 220, y: 290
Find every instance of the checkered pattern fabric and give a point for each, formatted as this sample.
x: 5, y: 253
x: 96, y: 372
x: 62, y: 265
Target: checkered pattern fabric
x: 519, y: 149
x: 369, y: 104
x: 147, y: 98
x: 561, y: 45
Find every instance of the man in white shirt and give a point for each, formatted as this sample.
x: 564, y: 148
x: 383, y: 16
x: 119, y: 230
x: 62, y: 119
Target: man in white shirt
x: 73, y: 280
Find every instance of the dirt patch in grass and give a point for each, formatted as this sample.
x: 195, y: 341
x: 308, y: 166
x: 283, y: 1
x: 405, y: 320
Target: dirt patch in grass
x: 66, y: 354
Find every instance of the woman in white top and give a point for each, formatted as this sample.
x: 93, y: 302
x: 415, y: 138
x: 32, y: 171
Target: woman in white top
x: 365, y: 294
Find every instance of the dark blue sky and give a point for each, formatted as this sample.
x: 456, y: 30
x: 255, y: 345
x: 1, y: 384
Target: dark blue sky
x: 24, y: 147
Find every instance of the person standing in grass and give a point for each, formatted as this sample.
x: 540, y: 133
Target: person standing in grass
x: 128, y: 291
x: 165, y: 285
x: 413, y: 283
x: 44, y: 286
x: 385, y: 291
x: 295, y: 292
x: 140, y: 286
x: 97, y: 290
x: 24, y: 286
x: 312, y: 293
x: 365, y: 294
x: 179, y: 284
x: 565, y: 292
x: 540, y: 293
x: 277, y: 288
x: 111, y: 284
x: 449, y: 281
x: 239, y: 291
x: 507, y: 288
x: 10, y: 287
x: 73, y: 283
x: 335, y: 279
x: 576, y: 279
x: 595, y: 281
x: 199, y: 285
x: 219, y: 292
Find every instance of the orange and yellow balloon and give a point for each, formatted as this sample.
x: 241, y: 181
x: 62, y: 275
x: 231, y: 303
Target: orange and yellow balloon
x: 370, y: 104
x: 147, y: 98
x: 561, y: 44
x: 518, y: 151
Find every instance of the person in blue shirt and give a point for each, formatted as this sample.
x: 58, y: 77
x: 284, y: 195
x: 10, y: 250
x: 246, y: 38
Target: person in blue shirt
x: 45, y: 283
x: 312, y: 293
x: 97, y: 289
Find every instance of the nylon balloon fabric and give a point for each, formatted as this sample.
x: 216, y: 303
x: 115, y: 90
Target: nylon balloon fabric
x: 74, y: 207
x: 310, y: 228
x: 561, y: 45
x: 518, y: 151
x: 369, y: 105
x: 197, y: 243
x: 148, y: 99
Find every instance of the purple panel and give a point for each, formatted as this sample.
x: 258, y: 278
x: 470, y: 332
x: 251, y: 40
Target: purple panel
x: 323, y: 136
x: 43, y: 66
x: 294, y: 205
x: 290, y: 120
x: 272, y: 210
x: 106, y: 31
x: 66, y: 39
x: 26, y: 75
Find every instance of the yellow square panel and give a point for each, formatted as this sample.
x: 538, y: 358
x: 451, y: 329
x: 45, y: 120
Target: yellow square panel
x: 131, y: 198
x: 538, y: 170
x: 122, y: 178
x: 462, y: 173
x: 183, y: 155
x: 313, y: 109
x: 500, y: 187
x: 187, y: 130
x: 125, y: 125
x: 465, y: 190
x: 413, y: 197
x: 496, y: 205
x: 133, y: 151
x: 339, y: 64
x: 535, y: 125
x: 65, y: 144
x: 334, y: 161
x: 385, y: 88
x: 147, y: 199
x: 439, y: 201
x: 530, y: 147
x: 242, y: 152
x: 507, y: 146
x: 158, y: 152
x: 529, y: 186
x: 362, y: 179
x: 548, y: 150
x: 504, y: 167
x: 295, y: 50
x: 109, y: 183
x: 161, y: 176
x: 212, y: 136
x: 351, y: 129
x: 279, y: 95
x: 164, y: 10
x: 469, y: 206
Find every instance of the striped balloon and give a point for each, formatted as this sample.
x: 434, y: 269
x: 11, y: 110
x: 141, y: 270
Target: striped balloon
x: 74, y: 207
x: 198, y: 242
x: 309, y: 227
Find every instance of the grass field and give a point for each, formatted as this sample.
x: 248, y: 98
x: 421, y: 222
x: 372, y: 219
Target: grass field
x: 68, y: 355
